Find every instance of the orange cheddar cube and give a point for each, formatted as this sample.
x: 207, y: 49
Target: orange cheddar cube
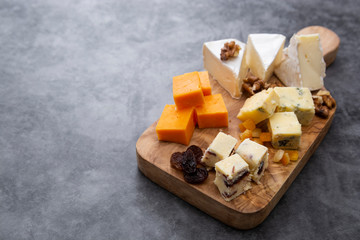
x: 205, y: 83
x: 176, y: 125
x: 187, y: 90
x: 242, y: 128
x: 213, y: 113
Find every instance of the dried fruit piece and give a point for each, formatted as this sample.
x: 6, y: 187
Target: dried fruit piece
x: 198, y: 176
x: 257, y: 140
x: 189, y: 162
x: 198, y: 153
x: 293, y: 154
x: 242, y: 128
x: 256, y: 133
x: 246, y: 134
x: 176, y: 160
x: 278, y: 155
x: 285, y: 159
x: 249, y: 124
x: 265, y: 137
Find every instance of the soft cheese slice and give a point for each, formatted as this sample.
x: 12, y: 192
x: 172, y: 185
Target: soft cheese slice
x: 229, y: 73
x: 264, y: 52
x: 304, y: 65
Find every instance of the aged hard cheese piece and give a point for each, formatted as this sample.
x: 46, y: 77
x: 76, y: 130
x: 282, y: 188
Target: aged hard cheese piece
x: 256, y: 156
x: 229, y: 73
x: 176, y: 125
x: 187, y: 90
x: 220, y: 148
x: 304, y: 64
x: 205, y: 83
x: 264, y: 52
x: 297, y: 100
x: 213, y: 113
x: 232, y: 177
x: 259, y: 106
x: 285, y: 129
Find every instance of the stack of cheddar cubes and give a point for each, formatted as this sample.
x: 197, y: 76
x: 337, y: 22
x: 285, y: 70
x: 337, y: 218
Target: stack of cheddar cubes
x: 194, y: 105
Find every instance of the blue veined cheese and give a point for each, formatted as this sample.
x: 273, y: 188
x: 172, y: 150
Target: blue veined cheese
x: 285, y: 129
x: 220, y: 148
x: 230, y: 73
x: 256, y: 156
x: 259, y: 106
x: 264, y: 53
x: 297, y: 100
x: 232, y: 177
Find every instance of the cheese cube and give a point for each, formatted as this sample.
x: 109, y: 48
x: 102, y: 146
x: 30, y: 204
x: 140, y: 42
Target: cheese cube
x: 264, y: 52
x: 256, y: 156
x: 187, y: 90
x: 297, y: 100
x: 213, y: 113
x: 232, y: 177
x: 205, y: 83
x: 259, y: 106
x: 176, y: 125
x: 229, y: 73
x: 285, y: 129
x: 220, y: 148
x: 303, y: 65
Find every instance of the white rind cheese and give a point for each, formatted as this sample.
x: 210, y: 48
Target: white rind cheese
x: 256, y: 156
x: 220, y: 148
x: 232, y: 177
x: 303, y: 65
x: 297, y: 100
x: 285, y: 130
x: 264, y: 52
x: 229, y: 73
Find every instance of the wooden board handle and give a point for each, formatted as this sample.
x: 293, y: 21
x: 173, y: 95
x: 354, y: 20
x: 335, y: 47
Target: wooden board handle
x: 330, y: 41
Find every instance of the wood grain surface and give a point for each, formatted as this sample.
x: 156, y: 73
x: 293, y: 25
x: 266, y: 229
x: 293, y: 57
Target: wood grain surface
x: 249, y: 209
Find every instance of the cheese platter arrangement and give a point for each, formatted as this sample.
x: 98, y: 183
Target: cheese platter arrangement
x: 240, y: 132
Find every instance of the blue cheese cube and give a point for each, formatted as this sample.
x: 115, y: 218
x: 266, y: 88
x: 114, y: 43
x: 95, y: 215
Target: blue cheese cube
x: 297, y: 100
x: 256, y: 156
x: 232, y: 177
x: 220, y: 148
x: 285, y: 129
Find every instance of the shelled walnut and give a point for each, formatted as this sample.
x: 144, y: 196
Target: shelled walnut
x: 254, y: 85
x: 229, y: 50
x: 323, y: 102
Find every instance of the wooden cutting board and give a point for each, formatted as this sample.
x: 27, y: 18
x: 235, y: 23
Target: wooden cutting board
x: 249, y: 209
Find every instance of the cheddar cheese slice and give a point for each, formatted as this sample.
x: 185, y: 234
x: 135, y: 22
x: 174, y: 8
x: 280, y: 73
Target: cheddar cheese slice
x: 213, y: 113
x: 176, y: 125
x: 205, y: 83
x: 187, y: 90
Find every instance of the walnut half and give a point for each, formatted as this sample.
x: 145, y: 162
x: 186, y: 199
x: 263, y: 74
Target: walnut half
x: 229, y: 50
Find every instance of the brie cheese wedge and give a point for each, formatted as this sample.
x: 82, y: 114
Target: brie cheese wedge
x: 264, y: 53
x: 304, y: 65
x: 229, y: 73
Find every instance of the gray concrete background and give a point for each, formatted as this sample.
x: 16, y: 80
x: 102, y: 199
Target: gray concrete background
x: 81, y: 80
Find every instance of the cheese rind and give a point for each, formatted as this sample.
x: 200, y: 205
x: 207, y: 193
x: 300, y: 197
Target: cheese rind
x: 285, y: 129
x: 176, y: 125
x: 264, y: 52
x: 303, y: 65
x: 256, y: 156
x: 212, y: 113
x: 259, y: 106
x: 297, y: 100
x: 229, y: 73
x: 220, y: 148
x: 232, y: 177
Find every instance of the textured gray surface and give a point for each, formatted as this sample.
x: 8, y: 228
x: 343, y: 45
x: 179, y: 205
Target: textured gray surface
x: 81, y: 80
